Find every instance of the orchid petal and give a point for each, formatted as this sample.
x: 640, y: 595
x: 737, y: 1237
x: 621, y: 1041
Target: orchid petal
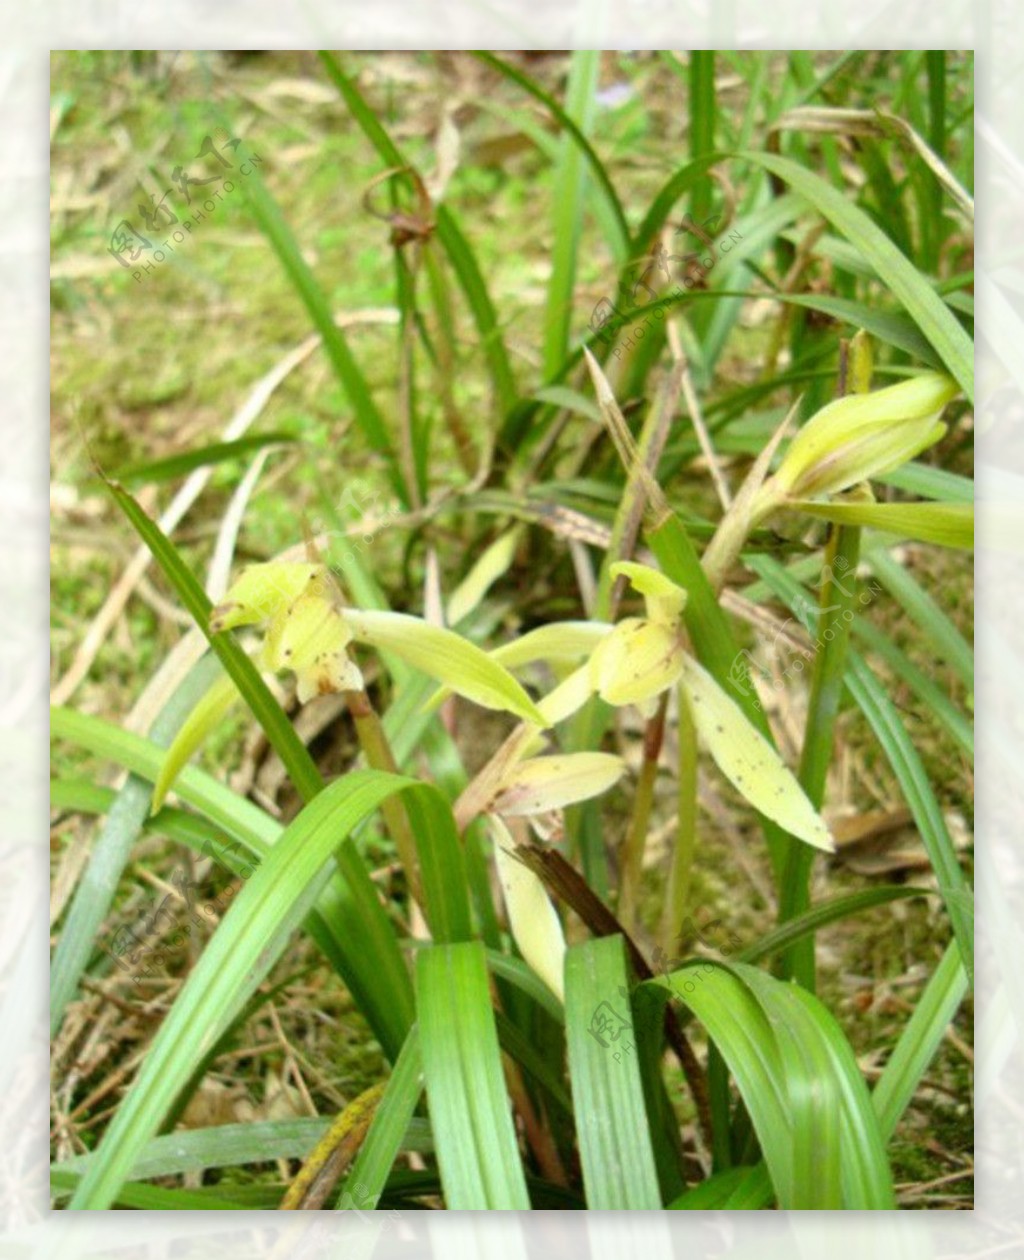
x: 664, y: 598
x: 446, y: 656
x: 545, y: 783
x: 535, y: 926
x: 637, y: 661
x: 263, y: 590
x: 748, y: 761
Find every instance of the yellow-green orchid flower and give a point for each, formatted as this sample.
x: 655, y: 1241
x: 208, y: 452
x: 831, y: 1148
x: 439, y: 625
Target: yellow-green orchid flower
x: 637, y: 660
x: 529, y: 788
x: 642, y: 656
x: 860, y: 436
x: 309, y: 632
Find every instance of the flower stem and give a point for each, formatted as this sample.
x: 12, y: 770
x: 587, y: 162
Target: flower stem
x: 837, y: 608
x: 677, y: 894
x: 631, y: 854
x: 377, y: 750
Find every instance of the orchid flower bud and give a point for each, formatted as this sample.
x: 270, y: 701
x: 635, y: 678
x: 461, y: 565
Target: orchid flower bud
x: 861, y: 436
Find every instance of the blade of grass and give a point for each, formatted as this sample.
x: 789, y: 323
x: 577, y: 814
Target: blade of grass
x: 449, y: 234
x: 872, y: 697
x: 157, y: 1198
x: 919, y: 1040
x: 909, y: 286
x: 703, y: 109
x: 928, y: 692
x: 619, y: 1170
x: 250, y: 938
x: 234, y: 1145
x: 680, y: 182
x: 152, y: 471
x: 389, y: 1130
x: 569, y: 193
x: 921, y: 608
x: 255, y: 692
x: 469, y: 1108
x: 931, y: 483
x: 274, y: 227
x: 620, y: 242
x: 821, y: 915
x: 842, y: 553
x: 94, y: 894
x: 887, y: 326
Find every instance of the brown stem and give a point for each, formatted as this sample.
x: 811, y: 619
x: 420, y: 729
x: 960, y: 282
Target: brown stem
x: 567, y: 884
x: 377, y: 750
x: 631, y: 853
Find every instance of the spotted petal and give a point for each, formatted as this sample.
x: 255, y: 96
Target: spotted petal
x: 637, y: 662
x: 263, y: 590
x: 310, y: 636
x: 748, y: 761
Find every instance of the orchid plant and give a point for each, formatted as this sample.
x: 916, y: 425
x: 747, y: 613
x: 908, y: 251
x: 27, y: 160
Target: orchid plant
x: 637, y: 661
x: 309, y: 632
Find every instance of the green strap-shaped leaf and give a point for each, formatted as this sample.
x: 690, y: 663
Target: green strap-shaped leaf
x: 619, y: 1170
x: 920, y: 300
x: 388, y: 1129
x: 743, y: 1036
x: 919, y: 1040
x: 799, y: 1080
x: 240, y: 818
x: 151, y: 471
x: 249, y: 940
x: 110, y: 851
x: 349, y: 924
x: 157, y: 1198
x: 210, y: 710
x: 233, y: 1145
x: 839, y: 1149
x: 469, y: 1106
x: 823, y: 913
x: 895, y: 330
x: 746, y: 1188
x: 922, y: 608
x: 947, y: 524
